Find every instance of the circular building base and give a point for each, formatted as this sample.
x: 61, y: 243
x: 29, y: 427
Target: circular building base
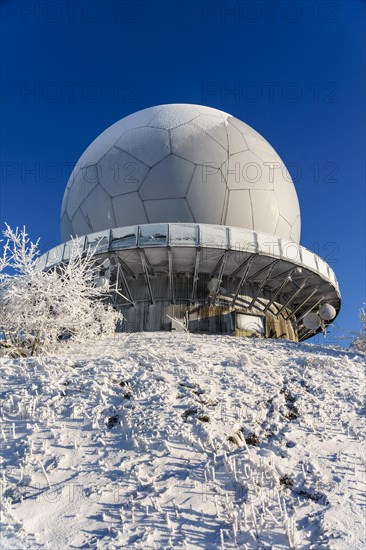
x: 208, y: 278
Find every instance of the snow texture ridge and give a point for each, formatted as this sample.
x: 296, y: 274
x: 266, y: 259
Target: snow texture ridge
x: 163, y: 440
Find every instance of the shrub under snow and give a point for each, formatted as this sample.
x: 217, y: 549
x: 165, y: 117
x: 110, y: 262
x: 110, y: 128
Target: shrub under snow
x: 41, y: 308
x: 359, y: 343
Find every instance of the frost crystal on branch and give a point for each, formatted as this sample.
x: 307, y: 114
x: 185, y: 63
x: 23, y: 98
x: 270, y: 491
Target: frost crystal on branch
x: 359, y: 343
x: 39, y: 309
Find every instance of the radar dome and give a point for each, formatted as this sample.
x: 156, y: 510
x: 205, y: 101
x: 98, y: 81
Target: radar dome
x: 180, y: 163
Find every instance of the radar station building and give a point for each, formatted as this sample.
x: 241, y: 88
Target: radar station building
x: 194, y: 223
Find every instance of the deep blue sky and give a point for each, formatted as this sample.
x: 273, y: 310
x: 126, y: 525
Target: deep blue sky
x: 292, y: 70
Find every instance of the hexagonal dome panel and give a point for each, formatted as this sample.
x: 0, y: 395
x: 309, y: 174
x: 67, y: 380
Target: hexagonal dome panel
x: 206, y: 195
x: 195, y: 145
x: 168, y: 210
x: 108, y: 138
x: 149, y: 145
x: 67, y: 227
x: 120, y: 173
x: 283, y: 229
x: 129, y: 210
x: 236, y: 140
x: 64, y: 201
x: 169, y: 179
x: 239, y: 209
x: 171, y: 116
x: 84, y: 182
x: 214, y: 127
x: 99, y: 209
x: 265, y: 210
x: 261, y: 147
x: 80, y: 224
x: 247, y: 171
x: 296, y: 229
x: 287, y: 200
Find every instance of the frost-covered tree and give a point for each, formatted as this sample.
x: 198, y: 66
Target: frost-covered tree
x: 359, y: 343
x: 39, y: 309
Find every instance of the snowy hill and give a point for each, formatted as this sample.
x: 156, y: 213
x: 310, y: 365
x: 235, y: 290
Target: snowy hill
x: 184, y: 441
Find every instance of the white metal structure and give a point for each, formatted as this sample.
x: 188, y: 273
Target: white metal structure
x: 195, y: 225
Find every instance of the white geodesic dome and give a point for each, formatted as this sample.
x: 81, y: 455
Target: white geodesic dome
x: 180, y: 163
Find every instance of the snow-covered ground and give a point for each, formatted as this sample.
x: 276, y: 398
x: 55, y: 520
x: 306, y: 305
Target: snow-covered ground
x: 163, y: 440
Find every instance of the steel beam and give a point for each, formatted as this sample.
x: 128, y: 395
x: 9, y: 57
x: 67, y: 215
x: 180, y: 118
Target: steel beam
x: 287, y: 272
x: 301, y: 304
x: 318, y: 286
x: 195, y: 275
x: 218, y: 264
x: 125, y: 266
x: 292, y: 296
x: 147, y: 275
x: 278, y: 290
x: 222, y: 267
x: 171, y: 280
x: 120, y: 272
x: 241, y: 266
x: 148, y: 263
x: 248, y: 263
x: 262, y: 285
x: 263, y: 269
